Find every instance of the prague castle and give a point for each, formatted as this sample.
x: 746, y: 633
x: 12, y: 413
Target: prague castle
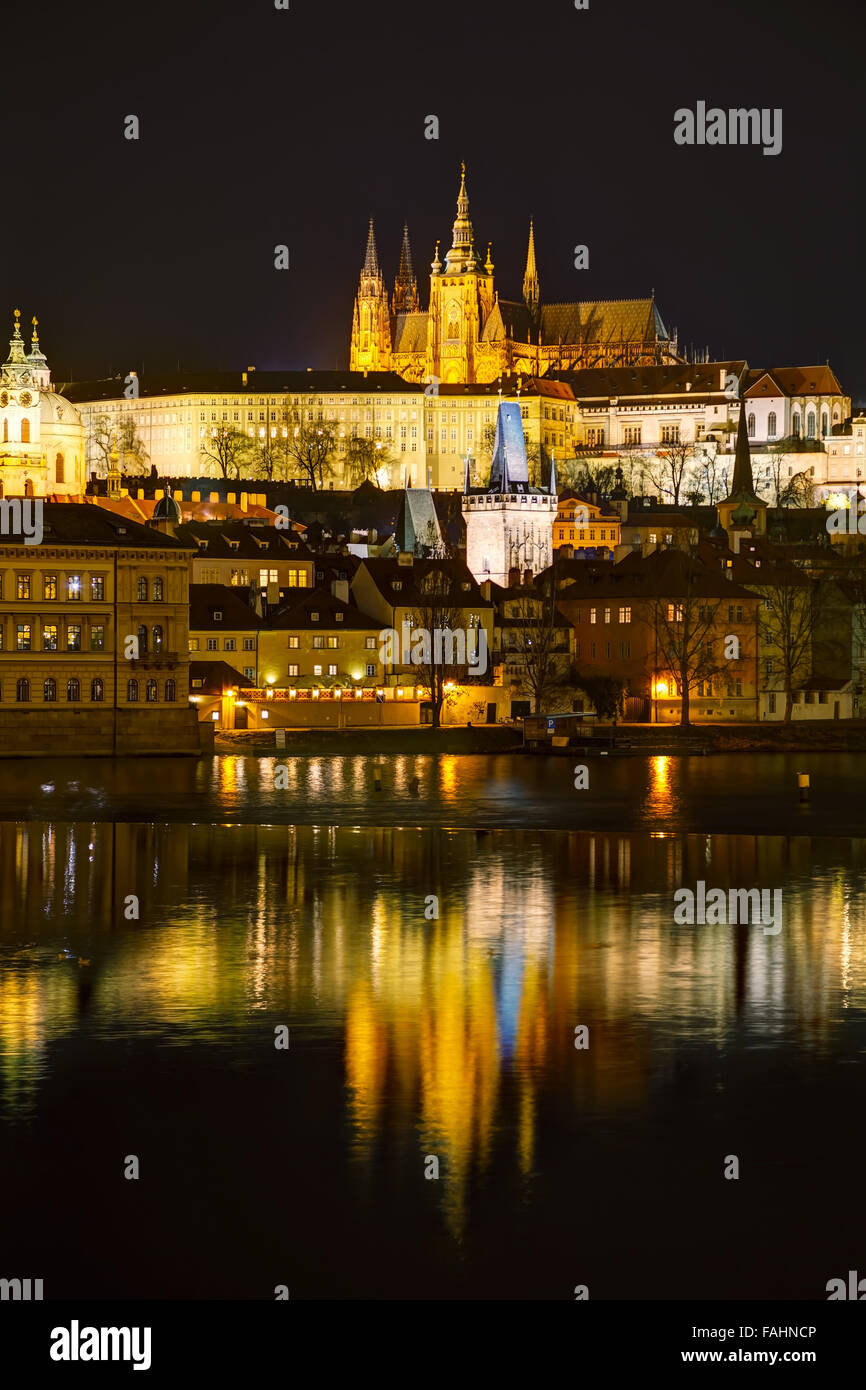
x: 469, y: 334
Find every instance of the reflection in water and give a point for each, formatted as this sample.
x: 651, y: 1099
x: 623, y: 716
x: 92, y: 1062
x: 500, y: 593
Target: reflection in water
x: 454, y: 1034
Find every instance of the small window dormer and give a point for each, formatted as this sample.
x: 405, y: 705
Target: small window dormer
x: 217, y: 615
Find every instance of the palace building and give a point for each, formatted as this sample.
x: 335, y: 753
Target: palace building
x: 469, y: 334
x: 41, y: 434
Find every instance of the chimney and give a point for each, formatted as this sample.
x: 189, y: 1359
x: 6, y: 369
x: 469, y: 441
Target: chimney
x: 527, y: 576
x: 722, y: 376
x: 340, y: 589
x: 514, y: 577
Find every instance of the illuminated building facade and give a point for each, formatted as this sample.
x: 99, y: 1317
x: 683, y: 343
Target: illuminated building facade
x: 41, y: 433
x: 73, y: 612
x: 469, y: 334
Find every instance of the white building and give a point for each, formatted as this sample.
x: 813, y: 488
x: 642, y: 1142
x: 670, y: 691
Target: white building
x: 844, y: 476
x: 803, y: 402
x: 41, y: 433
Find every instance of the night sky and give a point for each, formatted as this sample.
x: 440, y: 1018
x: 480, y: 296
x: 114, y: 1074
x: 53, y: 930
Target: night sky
x: 261, y: 127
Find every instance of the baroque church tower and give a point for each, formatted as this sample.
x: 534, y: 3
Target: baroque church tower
x: 461, y: 298
x: 371, y: 329
x: 41, y: 434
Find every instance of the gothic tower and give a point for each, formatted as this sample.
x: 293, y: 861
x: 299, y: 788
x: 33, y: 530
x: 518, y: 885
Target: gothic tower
x: 531, y: 290
x: 461, y: 298
x: 405, y: 297
x: 371, y: 332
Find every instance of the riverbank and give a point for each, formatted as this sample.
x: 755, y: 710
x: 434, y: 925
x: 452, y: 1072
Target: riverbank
x: 637, y: 740
x: 420, y: 740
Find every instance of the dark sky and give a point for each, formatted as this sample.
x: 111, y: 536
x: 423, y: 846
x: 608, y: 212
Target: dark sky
x: 261, y: 126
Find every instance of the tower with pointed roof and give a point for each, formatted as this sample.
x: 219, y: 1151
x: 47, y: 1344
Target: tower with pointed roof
x: 405, y: 297
x: 531, y: 289
x: 742, y: 512
x: 371, y: 329
x: 509, y: 524
x: 461, y: 298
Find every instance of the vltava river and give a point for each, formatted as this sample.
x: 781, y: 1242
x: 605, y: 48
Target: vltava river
x: 415, y: 1038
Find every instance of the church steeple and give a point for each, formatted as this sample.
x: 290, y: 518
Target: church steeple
x: 531, y: 289
x: 371, y: 333
x: 742, y: 509
x: 405, y: 298
x: 743, y: 484
x: 461, y: 256
x: 371, y: 259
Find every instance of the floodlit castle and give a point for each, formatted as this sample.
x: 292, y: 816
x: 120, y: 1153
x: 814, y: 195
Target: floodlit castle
x: 41, y: 434
x: 509, y: 524
x: 469, y: 334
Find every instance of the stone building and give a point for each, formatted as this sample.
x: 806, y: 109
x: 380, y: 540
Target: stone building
x: 94, y: 650
x: 41, y: 433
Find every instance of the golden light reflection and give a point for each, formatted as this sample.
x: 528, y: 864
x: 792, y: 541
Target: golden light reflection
x: 455, y: 1034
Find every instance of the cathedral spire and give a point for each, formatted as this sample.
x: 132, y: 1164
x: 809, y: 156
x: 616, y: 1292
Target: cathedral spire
x: 371, y: 259
x: 461, y: 257
x: 742, y: 486
x: 531, y: 289
x: 405, y: 298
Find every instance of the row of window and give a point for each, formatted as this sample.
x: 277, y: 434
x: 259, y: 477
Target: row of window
x: 51, y: 637
x: 624, y: 614
x: 295, y: 670
x: 97, y: 691
x: 74, y: 588
x: 602, y: 535
x: 795, y: 423
x: 243, y: 578
x: 73, y: 635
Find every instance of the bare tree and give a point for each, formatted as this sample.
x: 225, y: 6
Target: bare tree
x: 364, y: 458
x: 684, y: 627
x: 311, y: 446
x: 787, y: 623
x: 432, y: 656
x: 227, y: 448
x: 712, y: 475
x: 669, y: 467
x: 104, y: 435
x: 537, y: 637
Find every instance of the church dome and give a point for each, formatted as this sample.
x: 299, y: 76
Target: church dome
x: 167, y: 509
x: 54, y: 409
